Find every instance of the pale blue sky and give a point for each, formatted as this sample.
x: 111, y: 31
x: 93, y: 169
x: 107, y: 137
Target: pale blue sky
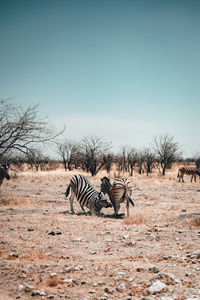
x: 125, y: 71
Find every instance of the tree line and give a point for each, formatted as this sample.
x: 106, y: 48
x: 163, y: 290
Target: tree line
x: 23, y: 133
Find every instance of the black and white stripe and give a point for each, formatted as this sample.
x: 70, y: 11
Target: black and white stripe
x: 86, y: 195
x: 118, y: 192
x: 194, y: 172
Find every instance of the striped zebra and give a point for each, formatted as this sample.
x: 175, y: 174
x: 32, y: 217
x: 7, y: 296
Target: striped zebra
x: 3, y: 174
x: 86, y: 195
x: 194, y: 172
x: 118, y: 192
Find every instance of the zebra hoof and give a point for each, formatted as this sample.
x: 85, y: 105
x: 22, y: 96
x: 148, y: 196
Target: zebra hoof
x: 119, y: 216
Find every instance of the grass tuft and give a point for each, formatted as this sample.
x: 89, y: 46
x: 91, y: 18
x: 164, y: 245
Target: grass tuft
x: 137, y: 219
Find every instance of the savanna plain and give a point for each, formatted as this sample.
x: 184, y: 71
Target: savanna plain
x: 48, y: 253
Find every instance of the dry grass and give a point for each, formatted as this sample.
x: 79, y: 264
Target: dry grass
x: 52, y: 281
x: 33, y: 255
x: 163, y: 224
x: 195, y: 222
x: 137, y: 219
x: 7, y: 200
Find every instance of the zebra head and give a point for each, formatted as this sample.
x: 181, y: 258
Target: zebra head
x: 105, y: 185
x: 102, y: 201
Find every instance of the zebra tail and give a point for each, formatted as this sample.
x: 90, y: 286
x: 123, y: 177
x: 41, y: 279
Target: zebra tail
x: 131, y: 201
x: 126, y: 195
x: 67, y: 191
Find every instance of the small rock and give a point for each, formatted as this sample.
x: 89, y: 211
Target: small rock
x: 157, y: 287
x: 29, y: 288
x: 78, y: 239
x: 79, y: 267
x: 71, y: 280
x: 168, y: 278
x: 167, y: 257
x: 51, y: 233
x: 92, y: 252
x: 121, y: 287
x: 69, y: 269
x: 21, y: 287
x: 42, y: 293
x: 51, y: 275
x: 121, y: 273
x: 30, y: 229
x: 35, y: 293
x: 126, y: 236
x: 15, y: 255
x: 109, y: 240
x: 130, y: 279
x: 154, y: 270
x: 140, y: 269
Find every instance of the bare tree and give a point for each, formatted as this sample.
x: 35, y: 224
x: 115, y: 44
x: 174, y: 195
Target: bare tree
x: 108, y: 161
x: 197, y: 160
x: 132, y: 158
x: 35, y: 158
x: 167, y: 151
x: 149, y: 160
x: 22, y: 129
x: 68, y: 151
x: 94, y: 151
x: 121, y: 160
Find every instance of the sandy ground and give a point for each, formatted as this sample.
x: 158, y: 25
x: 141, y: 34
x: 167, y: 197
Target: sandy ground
x: 47, y: 253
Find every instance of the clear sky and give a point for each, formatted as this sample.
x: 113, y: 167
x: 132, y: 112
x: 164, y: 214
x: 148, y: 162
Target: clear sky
x: 125, y: 71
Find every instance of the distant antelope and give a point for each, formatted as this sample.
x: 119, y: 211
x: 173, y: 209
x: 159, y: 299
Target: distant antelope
x: 194, y: 172
x: 118, y: 192
x: 3, y: 174
x: 86, y: 195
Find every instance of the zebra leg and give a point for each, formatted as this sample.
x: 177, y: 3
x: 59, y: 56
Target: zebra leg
x: 82, y: 207
x: 127, y: 207
x: 116, y: 207
x: 71, y: 202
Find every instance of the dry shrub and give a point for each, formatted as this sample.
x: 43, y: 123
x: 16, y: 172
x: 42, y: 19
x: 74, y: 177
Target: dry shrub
x: 195, y: 222
x: 137, y: 219
x: 9, y: 200
x: 33, y: 255
x: 52, y: 281
x: 192, y: 219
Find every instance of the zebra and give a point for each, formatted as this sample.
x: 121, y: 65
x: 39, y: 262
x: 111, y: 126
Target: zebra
x: 118, y: 192
x: 4, y: 174
x: 188, y: 171
x: 86, y: 195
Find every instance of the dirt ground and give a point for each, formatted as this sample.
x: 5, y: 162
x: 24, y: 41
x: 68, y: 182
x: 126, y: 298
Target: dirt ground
x: 47, y: 253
